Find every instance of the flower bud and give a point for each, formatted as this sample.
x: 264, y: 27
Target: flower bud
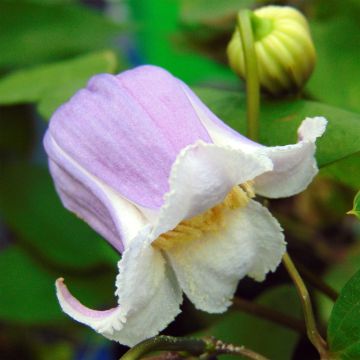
x: 284, y: 48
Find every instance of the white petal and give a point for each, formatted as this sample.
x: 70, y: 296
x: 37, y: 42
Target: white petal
x: 147, y: 290
x: 312, y: 128
x: 294, y: 165
x: 201, y: 177
x: 149, y: 298
x: 267, y: 234
x: 209, y: 268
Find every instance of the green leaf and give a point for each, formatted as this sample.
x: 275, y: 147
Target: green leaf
x: 51, y: 85
x: 30, y: 206
x: 267, y: 338
x: 337, y: 73
x: 337, y: 277
x: 346, y: 171
x: 344, y: 324
x: 356, y: 208
x: 28, y: 292
x: 280, y: 120
x: 31, y: 33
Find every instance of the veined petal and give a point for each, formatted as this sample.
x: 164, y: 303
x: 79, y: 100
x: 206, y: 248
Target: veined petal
x: 220, y: 133
x: 294, y: 165
x: 103, y: 208
x: 201, y: 177
x: 209, y: 268
x: 127, y: 131
x: 149, y: 298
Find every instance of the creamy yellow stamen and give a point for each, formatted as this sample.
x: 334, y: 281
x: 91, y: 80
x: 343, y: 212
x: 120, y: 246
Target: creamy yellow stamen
x: 211, y: 220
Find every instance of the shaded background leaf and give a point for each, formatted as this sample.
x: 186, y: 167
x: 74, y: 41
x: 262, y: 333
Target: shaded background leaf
x: 31, y: 207
x: 52, y: 84
x: 28, y: 292
x: 26, y: 37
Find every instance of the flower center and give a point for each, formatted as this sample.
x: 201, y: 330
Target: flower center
x: 211, y: 220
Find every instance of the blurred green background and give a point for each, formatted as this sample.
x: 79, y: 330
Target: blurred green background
x: 49, y: 49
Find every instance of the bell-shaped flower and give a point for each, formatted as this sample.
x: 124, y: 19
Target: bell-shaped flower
x: 141, y: 159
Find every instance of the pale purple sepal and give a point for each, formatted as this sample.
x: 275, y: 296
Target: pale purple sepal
x: 127, y: 130
x: 81, y: 195
x: 215, y: 126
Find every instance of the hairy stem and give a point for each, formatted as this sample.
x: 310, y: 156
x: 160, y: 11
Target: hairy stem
x: 221, y: 348
x: 166, y: 343
x: 203, y: 348
x: 251, y: 71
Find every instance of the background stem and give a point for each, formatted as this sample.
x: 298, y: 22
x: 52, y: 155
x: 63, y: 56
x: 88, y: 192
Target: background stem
x: 251, y: 71
x: 267, y: 313
x: 317, y: 282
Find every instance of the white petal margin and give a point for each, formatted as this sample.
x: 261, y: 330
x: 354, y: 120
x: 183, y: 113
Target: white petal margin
x: 201, y: 177
x: 148, y: 292
x: 294, y: 165
x: 209, y: 268
x: 147, y: 289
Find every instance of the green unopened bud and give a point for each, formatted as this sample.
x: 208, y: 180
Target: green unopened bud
x: 284, y: 49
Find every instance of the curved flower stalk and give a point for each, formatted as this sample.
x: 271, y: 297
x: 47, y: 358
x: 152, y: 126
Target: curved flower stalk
x: 141, y: 159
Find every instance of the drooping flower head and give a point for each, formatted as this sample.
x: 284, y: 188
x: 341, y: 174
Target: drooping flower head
x: 141, y: 159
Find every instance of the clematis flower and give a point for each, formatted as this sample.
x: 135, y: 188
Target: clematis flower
x: 141, y: 159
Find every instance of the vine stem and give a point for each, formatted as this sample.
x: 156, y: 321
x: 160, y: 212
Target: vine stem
x: 166, y: 343
x: 311, y: 329
x: 221, y: 348
x: 251, y: 71
x: 204, y: 348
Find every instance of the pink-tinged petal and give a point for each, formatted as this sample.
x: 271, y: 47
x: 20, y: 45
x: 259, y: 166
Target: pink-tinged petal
x: 201, y: 177
x: 101, y: 321
x: 127, y: 131
x: 149, y: 297
x: 294, y: 165
x: 209, y: 268
x: 107, y: 212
